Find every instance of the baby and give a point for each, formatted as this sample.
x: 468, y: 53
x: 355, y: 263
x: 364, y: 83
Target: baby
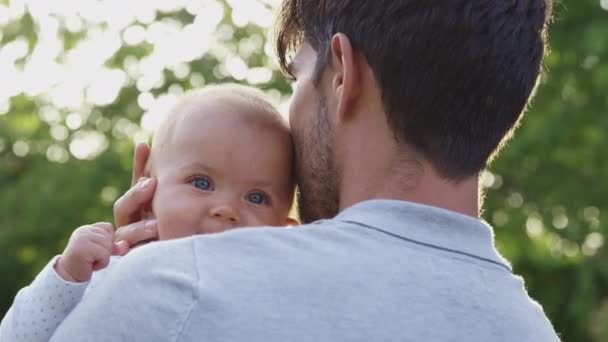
x: 222, y: 158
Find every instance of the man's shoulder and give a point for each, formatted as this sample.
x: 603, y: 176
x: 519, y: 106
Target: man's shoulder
x: 307, y: 275
x: 158, y: 260
x: 258, y: 243
x: 250, y: 245
x: 158, y: 251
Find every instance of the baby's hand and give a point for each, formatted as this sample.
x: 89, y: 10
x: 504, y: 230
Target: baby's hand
x: 88, y: 250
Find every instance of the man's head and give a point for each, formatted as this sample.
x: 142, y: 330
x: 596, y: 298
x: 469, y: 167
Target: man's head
x: 452, y: 77
x: 223, y: 159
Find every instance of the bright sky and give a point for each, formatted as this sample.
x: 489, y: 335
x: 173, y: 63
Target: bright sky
x: 77, y: 80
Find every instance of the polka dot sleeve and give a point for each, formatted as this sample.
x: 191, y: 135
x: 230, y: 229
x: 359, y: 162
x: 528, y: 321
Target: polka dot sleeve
x: 40, y: 307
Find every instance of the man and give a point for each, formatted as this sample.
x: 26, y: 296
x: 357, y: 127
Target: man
x: 398, y: 105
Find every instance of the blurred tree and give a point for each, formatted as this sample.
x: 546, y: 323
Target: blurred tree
x: 547, y: 198
x: 83, y: 80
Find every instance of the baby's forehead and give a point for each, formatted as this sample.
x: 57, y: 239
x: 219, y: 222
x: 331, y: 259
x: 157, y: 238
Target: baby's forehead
x: 228, y: 105
x: 223, y: 121
x: 220, y: 106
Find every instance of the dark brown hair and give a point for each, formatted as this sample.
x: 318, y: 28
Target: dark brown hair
x: 455, y: 75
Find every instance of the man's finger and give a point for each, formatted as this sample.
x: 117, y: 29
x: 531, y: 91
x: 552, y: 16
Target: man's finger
x: 120, y: 248
x: 140, y: 158
x: 128, y: 207
x: 137, y: 232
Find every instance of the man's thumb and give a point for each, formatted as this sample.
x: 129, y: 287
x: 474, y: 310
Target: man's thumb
x: 120, y: 248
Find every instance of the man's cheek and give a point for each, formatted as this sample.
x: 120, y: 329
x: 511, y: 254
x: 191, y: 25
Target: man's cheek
x: 292, y: 112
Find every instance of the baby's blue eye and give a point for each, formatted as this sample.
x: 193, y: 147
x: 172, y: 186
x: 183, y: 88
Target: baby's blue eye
x: 201, y: 183
x: 257, y: 198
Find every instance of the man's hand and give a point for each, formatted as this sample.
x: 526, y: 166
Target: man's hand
x: 88, y: 250
x: 133, y: 230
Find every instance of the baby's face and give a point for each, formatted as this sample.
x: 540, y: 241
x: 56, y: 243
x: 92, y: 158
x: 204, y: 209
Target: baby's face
x: 217, y: 171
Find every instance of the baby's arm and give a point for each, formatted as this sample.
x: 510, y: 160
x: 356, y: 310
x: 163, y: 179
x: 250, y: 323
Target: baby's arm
x: 39, y: 308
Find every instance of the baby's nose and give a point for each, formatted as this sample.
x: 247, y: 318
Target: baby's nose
x: 225, y: 212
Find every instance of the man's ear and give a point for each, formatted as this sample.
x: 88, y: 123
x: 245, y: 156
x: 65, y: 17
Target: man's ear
x: 290, y: 222
x: 347, y: 74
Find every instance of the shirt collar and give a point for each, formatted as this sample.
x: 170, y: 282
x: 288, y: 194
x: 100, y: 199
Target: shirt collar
x: 431, y: 226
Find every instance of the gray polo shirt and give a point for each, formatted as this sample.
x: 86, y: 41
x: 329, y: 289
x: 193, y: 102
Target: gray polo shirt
x: 380, y: 271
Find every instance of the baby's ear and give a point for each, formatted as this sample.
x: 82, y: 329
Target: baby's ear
x: 291, y: 222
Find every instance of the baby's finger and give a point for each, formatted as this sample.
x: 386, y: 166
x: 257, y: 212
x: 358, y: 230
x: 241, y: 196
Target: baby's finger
x: 137, y: 232
x: 102, y: 238
x: 140, y: 158
x: 101, y: 263
x: 87, y: 233
x: 128, y: 207
x: 105, y: 226
x: 101, y: 256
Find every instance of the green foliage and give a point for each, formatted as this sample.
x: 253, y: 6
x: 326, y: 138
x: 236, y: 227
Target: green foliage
x: 550, y: 210
x: 545, y: 193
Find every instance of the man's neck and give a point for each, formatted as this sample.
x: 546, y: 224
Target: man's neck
x: 380, y: 167
x: 411, y: 181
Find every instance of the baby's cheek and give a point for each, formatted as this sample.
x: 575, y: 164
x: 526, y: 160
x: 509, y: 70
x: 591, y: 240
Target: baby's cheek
x: 268, y: 218
x: 174, y: 227
x: 174, y: 220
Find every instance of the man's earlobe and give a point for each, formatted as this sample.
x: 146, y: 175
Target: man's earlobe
x: 345, y: 82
